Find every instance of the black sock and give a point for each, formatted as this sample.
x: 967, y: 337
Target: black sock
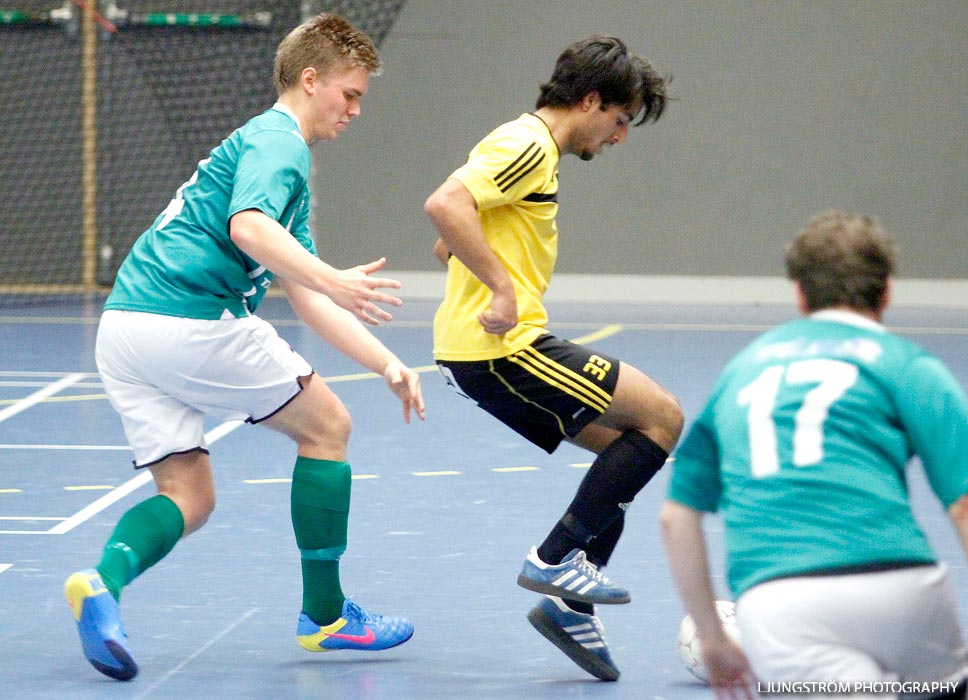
x: 600, y: 549
x: 618, y: 473
x: 560, y: 542
x: 580, y: 607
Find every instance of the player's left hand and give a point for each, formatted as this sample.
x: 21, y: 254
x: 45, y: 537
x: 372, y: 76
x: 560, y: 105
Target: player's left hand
x: 502, y: 315
x: 405, y: 383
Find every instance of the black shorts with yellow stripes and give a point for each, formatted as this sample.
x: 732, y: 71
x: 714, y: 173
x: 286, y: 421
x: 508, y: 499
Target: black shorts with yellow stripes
x: 547, y: 391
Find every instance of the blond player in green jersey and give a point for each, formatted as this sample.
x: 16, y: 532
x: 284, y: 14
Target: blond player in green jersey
x: 179, y: 340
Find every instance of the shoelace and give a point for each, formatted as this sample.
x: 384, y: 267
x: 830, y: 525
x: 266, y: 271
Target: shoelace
x: 590, y: 570
x: 359, y: 612
x: 599, y: 628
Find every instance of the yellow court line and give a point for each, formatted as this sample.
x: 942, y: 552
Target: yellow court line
x: 285, y: 480
x: 571, y: 325
x: 329, y: 380
x: 59, y: 399
x: 289, y: 481
x: 603, y: 332
x: 372, y: 375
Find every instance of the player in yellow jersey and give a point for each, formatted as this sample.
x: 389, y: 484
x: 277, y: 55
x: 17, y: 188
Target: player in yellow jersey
x: 496, y: 220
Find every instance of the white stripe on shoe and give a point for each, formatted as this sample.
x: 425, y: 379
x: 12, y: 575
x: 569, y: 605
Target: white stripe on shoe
x: 565, y: 577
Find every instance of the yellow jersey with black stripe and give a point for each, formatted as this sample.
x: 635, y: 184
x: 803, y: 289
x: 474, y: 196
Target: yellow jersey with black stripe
x: 513, y: 176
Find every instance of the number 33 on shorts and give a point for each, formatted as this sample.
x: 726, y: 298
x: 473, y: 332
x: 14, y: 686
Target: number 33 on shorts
x: 597, y: 367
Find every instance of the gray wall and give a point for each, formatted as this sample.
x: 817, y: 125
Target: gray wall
x: 784, y: 108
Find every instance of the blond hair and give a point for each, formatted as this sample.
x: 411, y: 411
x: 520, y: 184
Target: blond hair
x: 328, y: 43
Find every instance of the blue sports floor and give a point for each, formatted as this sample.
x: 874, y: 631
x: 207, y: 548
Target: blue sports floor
x: 443, y: 514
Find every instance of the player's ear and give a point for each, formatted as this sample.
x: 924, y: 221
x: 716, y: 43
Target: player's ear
x: 309, y: 79
x: 591, y: 101
x: 801, y: 299
x: 888, y: 294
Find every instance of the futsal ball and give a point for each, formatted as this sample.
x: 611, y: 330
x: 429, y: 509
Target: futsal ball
x: 689, y: 648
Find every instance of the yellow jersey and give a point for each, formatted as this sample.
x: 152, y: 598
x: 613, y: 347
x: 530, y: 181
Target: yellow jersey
x: 512, y: 174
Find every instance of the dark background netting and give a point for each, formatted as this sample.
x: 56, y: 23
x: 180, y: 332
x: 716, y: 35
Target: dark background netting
x: 165, y: 97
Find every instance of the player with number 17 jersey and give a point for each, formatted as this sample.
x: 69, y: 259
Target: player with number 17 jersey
x: 847, y: 404
x: 186, y: 265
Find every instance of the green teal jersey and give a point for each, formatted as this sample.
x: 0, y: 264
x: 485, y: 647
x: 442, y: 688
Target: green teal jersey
x: 186, y: 264
x: 803, y: 447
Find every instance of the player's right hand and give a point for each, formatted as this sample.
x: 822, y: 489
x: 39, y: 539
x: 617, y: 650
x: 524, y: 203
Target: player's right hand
x: 728, y: 668
x: 357, y: 292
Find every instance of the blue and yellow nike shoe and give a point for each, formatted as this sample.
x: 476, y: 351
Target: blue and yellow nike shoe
x: 355, y: 629
x: 98, y: 620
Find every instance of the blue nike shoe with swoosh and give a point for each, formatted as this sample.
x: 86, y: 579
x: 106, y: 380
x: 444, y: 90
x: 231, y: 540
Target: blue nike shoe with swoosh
x: 98, y: 620
x: 355, y: 629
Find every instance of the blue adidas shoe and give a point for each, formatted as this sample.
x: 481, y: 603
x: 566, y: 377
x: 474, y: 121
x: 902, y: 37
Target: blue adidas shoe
x: 580, y: 636
x: 575, y: 578
x: 355, y: 629
x: 98, y: 620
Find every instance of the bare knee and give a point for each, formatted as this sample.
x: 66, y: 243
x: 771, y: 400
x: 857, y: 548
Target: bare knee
x: 187, y: 479
x: 328, y: 432
x: 669, y: 421
x: 195, y: 510
x: 316, y: 420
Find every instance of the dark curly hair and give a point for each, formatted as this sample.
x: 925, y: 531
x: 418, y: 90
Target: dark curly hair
x: 603, y: 64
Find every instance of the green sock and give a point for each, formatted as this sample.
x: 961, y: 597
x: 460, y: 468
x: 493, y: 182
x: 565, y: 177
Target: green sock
x: 320, y: 502
x: 143, y: 536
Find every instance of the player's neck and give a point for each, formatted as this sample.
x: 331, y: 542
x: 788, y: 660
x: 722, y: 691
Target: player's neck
x: 560, y: 125
x: 297, y: 107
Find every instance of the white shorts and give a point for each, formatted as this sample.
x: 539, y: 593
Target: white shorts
x: 895, y: 625
x: 164, y: 374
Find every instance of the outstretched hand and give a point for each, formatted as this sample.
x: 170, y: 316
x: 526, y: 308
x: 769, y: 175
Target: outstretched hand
x: 405, y: 383
x: 729, y: 671
x: 354, y: 290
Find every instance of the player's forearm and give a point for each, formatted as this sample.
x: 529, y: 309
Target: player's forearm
x: 338, y: 327
x: 685, y: 547
x: 454, y: 214
x: 268, y: 243
x: 441, y: 252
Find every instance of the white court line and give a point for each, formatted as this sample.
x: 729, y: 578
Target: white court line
x: 100, y: 504
x: 39, y: 396
x: 24, y: 384
x: 118, y: 448
x: 201, y: 650
x: 120, y: 492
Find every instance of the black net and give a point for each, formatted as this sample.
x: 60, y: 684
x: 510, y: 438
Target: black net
x: 40, y: 152
x: 167, y: 88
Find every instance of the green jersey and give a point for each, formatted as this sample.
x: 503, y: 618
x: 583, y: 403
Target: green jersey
x: 804, y: 442
x: 186, y: 264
